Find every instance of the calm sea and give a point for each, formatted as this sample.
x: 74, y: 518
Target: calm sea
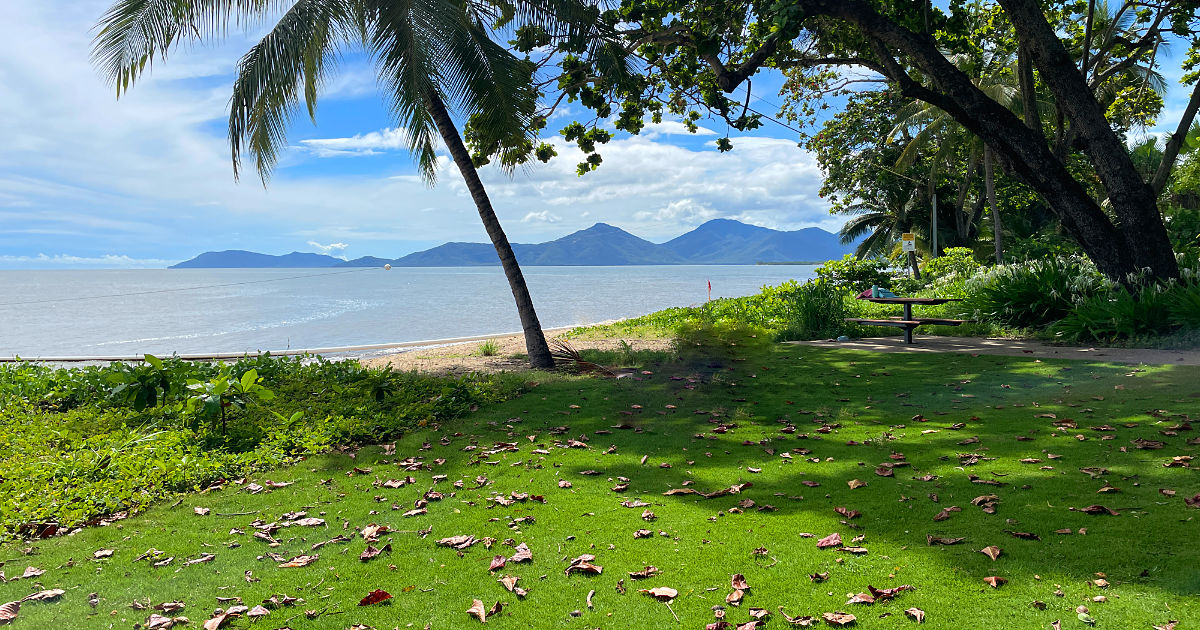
x: 159, y: 311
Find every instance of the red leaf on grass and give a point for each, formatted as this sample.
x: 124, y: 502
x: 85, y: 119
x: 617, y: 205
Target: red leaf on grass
x: 995, y: 581
x: 498, y: 562
x: 374, y: 597
x: 738, y: 581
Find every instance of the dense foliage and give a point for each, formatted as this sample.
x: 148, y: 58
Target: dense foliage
x: 79, y: 444
x: 1056, y: 298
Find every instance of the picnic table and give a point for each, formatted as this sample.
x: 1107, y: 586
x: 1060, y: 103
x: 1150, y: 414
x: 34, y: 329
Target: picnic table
x: 908, y: 322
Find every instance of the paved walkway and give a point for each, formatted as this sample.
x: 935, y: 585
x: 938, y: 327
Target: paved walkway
x: 1015, y: 348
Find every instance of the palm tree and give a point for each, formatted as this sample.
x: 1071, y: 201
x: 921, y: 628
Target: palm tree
x: 995, y: 74
x: 882, y: 220
x: 426, y: 52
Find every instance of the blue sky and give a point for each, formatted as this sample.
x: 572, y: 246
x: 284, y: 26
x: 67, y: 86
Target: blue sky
x: 87, y: 181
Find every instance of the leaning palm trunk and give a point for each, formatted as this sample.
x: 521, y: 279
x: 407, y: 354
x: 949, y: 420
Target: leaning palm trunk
x: 535, y: 340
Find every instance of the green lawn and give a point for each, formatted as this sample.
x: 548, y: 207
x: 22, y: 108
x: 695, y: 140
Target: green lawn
x: 704, y: 426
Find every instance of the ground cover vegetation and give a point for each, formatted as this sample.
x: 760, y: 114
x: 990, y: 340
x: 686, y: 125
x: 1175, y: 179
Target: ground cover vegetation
x: 749, y: 485
x: 82, y: 445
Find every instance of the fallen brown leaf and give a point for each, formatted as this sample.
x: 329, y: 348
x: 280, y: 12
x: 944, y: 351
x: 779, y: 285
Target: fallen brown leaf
x: 995, y: 581
x: 661, y: 592
x: 838, y: 619
x: 917, y: 614
x: 991, y: 551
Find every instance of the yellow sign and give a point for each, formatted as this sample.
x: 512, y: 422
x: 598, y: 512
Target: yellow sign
x: 908, y: 242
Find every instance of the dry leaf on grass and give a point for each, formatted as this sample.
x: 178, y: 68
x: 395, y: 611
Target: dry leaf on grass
x: 42, y: 596
x: 917, y: 614
x: 991, y: 551
x: 832, y: 540
x: 9, y: 611
x: 299, y: 561
x: 838, y: 619
x: 803, y: 621
x: 995, y: 581
x: 523, y: 554
x: 660, y: 592
x: 649, y: 571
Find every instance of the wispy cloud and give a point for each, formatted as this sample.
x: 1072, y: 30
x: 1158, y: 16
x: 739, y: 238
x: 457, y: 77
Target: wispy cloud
x: 68, y: 260
x: 393, y: 139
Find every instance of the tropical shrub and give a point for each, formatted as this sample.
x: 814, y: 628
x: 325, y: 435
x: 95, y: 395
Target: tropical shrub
x: 856, y: 274
x: 955, y: 261
x: 1035, y: 293
x: 1119, y: 314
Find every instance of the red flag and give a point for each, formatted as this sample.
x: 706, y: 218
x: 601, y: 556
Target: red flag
x: 710, y: 290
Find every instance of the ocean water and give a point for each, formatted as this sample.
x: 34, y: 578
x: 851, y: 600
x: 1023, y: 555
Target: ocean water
x: 161, y: 311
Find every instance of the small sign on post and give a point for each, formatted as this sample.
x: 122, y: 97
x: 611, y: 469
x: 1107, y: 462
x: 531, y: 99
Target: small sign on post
x: 908, y: 242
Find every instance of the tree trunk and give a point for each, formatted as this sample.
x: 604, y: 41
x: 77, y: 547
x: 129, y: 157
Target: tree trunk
x: 1033, y: 117
x: 989, y: 184
x: 912, y: 261
x: 535, y: 340
x: 962, y: 219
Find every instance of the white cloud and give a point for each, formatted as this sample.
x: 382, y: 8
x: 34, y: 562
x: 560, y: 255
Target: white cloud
x: 545, y: 216
x: 686, y: 211
x: 330, y: 248
x: 392, y: 139
x: 673, y: 128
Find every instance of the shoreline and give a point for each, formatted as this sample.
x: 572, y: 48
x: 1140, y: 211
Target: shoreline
x: 354, y: 351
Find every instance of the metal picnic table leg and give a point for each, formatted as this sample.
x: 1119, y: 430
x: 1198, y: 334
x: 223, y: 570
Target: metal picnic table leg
x: 908, y: 336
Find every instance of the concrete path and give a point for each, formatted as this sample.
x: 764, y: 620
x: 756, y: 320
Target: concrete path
x: 1015, y: 348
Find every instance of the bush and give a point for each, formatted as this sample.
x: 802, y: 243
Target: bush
x: 1034, y: 293
x: 956, y: 261
x: 1119, y: 315
x: 816, y: 311
x: 854, y: 274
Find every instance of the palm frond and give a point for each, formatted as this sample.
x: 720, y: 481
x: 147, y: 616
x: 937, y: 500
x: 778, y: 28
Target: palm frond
x: 298, y: 52
x: 133, y: 33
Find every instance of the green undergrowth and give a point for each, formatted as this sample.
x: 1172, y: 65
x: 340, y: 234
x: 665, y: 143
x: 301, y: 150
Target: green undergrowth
x: 81, y: 444
x: 952, y: 427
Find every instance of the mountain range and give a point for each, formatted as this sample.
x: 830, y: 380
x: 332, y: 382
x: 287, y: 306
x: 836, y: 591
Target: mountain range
x: 717, y: 242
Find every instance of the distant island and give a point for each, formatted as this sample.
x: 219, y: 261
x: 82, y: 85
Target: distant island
x: 717, y: 242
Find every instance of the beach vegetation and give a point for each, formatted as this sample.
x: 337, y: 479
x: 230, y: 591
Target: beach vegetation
x: 488, y: 348
x: 75, y: 452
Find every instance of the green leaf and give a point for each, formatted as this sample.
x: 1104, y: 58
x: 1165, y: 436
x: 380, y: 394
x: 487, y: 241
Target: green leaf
x: 154, y: 361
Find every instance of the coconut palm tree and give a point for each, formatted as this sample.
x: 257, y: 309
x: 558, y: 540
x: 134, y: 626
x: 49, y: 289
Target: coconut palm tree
x: 882, y: 220
x: 427, y: 53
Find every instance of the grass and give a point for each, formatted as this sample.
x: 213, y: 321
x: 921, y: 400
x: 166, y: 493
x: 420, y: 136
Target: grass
x: 488, y: 348
x: 874, y: 405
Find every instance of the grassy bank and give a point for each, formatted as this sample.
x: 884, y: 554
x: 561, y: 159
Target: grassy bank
x: 83, y: 444
x: 928, y: 437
